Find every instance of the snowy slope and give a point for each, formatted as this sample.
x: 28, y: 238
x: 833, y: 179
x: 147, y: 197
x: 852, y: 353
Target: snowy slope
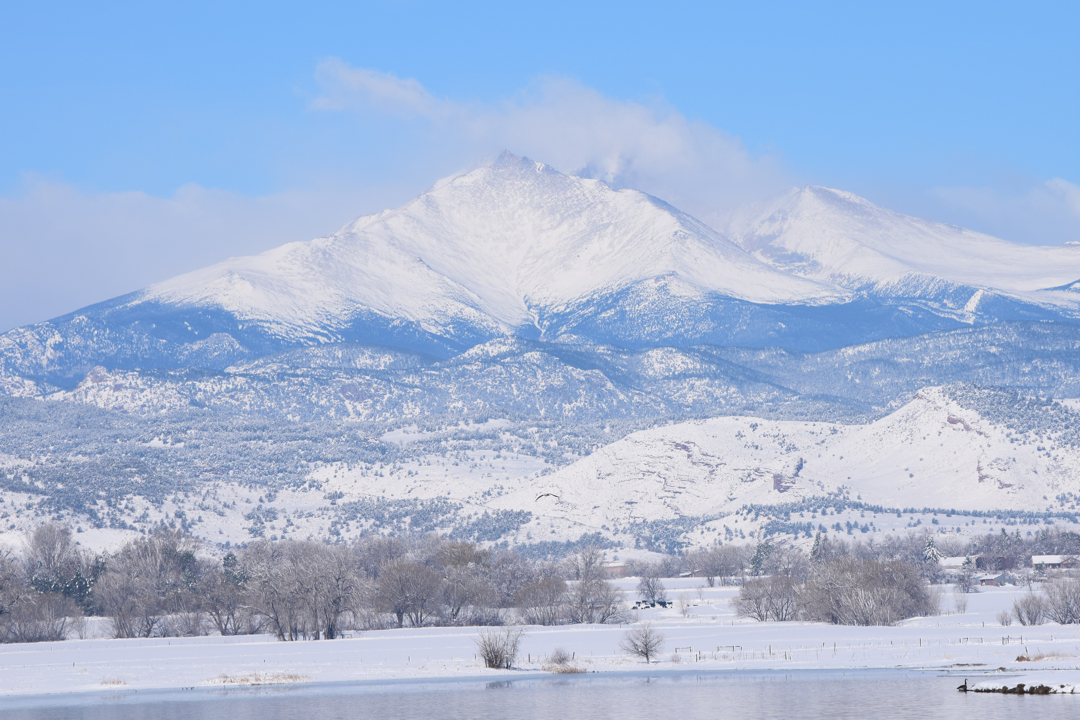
x: 490, y: 247
x: 933, y: 452
x: 836, y: 237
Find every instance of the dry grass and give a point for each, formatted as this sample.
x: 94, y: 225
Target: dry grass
x: 113, y: 682
x: 563, y: 669
x: 255, y: 678
x: 1052, y: 655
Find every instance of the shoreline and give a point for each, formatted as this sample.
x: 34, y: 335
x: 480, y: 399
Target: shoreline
x: 708, y: 639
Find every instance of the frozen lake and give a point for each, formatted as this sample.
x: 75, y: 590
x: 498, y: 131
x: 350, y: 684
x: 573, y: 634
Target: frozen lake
x: 828, y: 694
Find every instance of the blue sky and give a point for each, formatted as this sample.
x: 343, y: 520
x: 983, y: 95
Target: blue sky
x: 142, y: 141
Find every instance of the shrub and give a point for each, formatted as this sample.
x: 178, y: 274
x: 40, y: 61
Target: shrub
x: 863, y: 591
x: 1030, y: 609
x: 42, y: 617
x: 1063, y: 601
x: 559, y: 656
x: 499, y: 648
x: 773, y: 598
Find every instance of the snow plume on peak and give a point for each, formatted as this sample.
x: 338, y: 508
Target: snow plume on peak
x: 489, y: 248
x: 835, y: 236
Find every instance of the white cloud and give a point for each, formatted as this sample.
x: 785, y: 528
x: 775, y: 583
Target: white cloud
x: 349, y: 87
x: 651, y: 147
x: 1044, y: 213
x: 63, y: 248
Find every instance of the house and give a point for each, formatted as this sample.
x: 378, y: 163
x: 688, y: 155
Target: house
x: 1054, y: 562
x: 994, y: 579
x: 614, y: 569
x: 954, y: 563
x: 987, y: 563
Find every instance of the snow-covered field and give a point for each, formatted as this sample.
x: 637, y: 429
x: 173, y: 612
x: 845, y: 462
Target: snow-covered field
x: 971, y: 645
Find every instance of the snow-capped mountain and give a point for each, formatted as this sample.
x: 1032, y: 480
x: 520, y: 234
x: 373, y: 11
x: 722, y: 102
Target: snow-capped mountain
x: 836, y: 237
x: 514, y: 247
x: 516, y: 330
x: 496, y: 247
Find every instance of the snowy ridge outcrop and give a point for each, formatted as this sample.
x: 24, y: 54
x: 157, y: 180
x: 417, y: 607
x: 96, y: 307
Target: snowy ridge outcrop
x: 836, y: 237
x: 934, y: 452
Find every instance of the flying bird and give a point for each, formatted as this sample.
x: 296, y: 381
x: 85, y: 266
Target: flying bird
x: 541, y: 495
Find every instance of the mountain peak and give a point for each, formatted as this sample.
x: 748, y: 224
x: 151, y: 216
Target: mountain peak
x: 836, y: 236
x: 496, y: 246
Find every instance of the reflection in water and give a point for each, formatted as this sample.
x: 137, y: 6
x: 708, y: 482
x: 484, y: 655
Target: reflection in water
x: 762, y: 696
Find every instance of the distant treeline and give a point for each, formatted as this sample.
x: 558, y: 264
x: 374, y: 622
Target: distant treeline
x: 881, y: 584
x: 160, y: 584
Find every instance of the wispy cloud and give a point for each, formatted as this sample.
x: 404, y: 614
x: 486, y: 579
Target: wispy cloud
x: 348, y: 87
x: 65, y: 248
x: 648, y: 146
x: 1044, y: 213
x: 652, y: 147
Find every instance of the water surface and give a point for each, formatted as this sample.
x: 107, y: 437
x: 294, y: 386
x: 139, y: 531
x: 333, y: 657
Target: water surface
x: 831, y: 695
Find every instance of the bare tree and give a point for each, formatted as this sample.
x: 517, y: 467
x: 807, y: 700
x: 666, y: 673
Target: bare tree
x: 374, y: 551
x: 466, y: 583
x: 591, y: 598
x: 275, y: 589
x: 643, y: 641
x: 863, y: 591
x: 960, y: 600
x: 51, y: 553
x: 650, y: 589
x: 683, y: 604
x: 770, y: 598
x: 509, y: 573
x: 148, y: 580
x: 541, y: 602
x: 11, y: 589
x: 1030, y: 609
x: 719, y: 561
x: 42, y: 617
x: 226, y: 598
x: 1063, y: 600
x: 965, y: 580
x: 409, y: 590
x: 334, y: 586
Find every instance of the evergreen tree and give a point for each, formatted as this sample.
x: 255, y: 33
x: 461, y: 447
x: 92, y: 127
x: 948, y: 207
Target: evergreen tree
x: 820, y: 552
x: 761, y: 554
x: 931, y: 555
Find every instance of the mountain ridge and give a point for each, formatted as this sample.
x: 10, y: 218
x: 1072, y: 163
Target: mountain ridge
x: 515, y: 248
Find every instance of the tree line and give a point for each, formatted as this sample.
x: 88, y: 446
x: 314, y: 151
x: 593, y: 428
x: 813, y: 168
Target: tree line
x: 160, y: 585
